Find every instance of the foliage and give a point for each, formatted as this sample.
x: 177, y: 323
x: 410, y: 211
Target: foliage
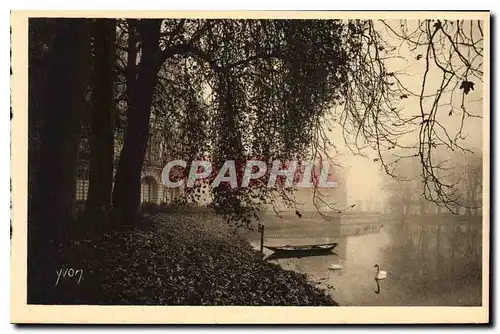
x: 239, y: 89
x: 279, y: 89
x: 275, y: 89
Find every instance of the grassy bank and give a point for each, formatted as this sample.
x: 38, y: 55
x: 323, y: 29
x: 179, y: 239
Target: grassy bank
x: 176, y: 259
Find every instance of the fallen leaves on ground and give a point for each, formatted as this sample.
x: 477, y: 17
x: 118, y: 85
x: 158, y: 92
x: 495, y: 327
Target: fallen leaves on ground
x: 175, y: 259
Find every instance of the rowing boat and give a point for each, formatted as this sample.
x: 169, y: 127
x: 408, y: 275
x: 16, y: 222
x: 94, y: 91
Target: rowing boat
x: 303, y: 249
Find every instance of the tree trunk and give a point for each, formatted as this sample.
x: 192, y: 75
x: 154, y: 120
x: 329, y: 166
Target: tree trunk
x: 102, y: 127
x: 53, y: 195
x: 127, y: 189
x: 39, y: 36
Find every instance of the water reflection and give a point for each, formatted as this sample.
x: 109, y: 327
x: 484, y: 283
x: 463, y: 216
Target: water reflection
x: 377, y: 291
x: 440, y: 261
x: 432, y: 261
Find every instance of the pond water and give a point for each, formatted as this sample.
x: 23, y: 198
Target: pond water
x: 430, y: 262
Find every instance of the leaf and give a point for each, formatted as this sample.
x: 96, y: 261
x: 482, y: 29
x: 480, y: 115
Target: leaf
x: 298, y: 213
x: 375, y: 160
x: 467, y: 86
x: 450, y: 113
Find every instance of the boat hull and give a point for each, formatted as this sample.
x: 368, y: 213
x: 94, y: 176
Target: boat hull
x: 300, y: 251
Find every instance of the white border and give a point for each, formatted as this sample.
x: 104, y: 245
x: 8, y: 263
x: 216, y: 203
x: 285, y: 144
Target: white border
x: 186, y: 5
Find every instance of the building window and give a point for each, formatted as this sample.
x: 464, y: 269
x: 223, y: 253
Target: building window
x: 166, y: 197
x: 82, y: 187
x: 148, y: 190
x: 82, y: 183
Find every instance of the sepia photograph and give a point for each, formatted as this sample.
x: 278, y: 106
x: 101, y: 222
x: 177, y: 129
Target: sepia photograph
x: 320, y: 165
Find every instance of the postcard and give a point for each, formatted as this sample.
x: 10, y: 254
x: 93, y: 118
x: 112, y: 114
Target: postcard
x: 250, y: 167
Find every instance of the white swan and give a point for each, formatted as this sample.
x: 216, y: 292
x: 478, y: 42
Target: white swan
x: 335, y: 266
x: 381, y: 274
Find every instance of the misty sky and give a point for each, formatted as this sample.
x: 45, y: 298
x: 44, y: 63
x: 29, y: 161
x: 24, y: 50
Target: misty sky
x: 364, y: 175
